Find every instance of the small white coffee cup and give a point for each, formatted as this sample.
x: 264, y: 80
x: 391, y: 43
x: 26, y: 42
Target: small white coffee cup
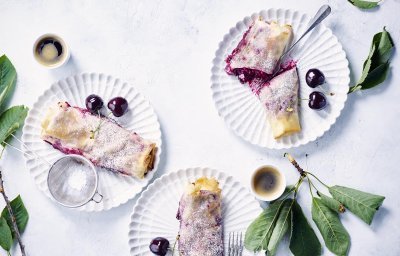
x: 267, y: 183
x: 61, y: 58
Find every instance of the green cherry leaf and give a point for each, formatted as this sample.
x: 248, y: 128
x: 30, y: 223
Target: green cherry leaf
x: 281, y: 227
x: 20, y: 213
x: 362, y: 204
x: 303, y: 241
x: 260, y: 230
x: 377, y: 65
x: 6, y: 240
x: 11, y: 120
x: 8, y: 79
x: 331, y: 203
x: 375, y: 77
x: 364, y: 4
x: 384, y: 46
x: 335, y: 235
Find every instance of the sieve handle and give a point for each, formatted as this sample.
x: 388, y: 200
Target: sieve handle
x: 98, y: 199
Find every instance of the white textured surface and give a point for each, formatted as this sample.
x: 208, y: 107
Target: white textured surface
x: 140, y: 118
x: 165, y: 49
x: 246, y: 115
x: 155, y: 212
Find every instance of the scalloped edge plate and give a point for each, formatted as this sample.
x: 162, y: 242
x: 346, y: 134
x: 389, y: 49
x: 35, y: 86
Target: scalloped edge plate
x: 155, y: 211
x: 243, y: 112
x: 117, y: 189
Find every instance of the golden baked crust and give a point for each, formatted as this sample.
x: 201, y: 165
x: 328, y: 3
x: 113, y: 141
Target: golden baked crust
x: 70, y: 130
x: 203, y: 184
x: 280, y: 99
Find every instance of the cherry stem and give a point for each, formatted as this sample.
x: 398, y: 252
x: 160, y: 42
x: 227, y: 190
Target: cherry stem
x: 297, y: 186
x: 100, y: 123
x: 317, y: 179
x: 176, y: 240
x: 354, y: 88
x: 312, y: 184
x: 2, y: 150
x: 326, y: 92
x: 309, y: 186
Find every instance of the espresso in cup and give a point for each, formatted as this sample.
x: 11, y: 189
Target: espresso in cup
x: 50, y: 51
x: 268, y: 183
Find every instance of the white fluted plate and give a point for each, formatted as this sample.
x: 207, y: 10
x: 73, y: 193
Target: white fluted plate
x: 141, y: 118
x: 154, y: 214
x: 244, y: 113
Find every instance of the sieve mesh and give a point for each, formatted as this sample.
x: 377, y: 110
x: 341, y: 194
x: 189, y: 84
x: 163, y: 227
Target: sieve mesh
x: 72, y: 180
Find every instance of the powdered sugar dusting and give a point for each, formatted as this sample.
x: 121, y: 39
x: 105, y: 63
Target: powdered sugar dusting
x: 99, y: 139
x: 200, y: 224
x: 260, y: 48
x: 281, y: 94
x: 77, y: 180
x: 255, y: 57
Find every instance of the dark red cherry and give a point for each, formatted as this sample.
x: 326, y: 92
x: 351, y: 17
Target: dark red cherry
x: 159, y: 246
x: 317, y: 100
x: 118, y: 106
x: 314, y: 77
x: 94, y: 103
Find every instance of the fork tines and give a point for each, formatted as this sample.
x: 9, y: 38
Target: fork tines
x: 235, y: 244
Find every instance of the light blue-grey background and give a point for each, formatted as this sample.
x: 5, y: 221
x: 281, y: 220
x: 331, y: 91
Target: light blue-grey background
x: 165, y: 48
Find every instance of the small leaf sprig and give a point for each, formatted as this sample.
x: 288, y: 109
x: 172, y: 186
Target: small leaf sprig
x: 97, y: 128
x: 376, y: 66
x: 363, y: 4
x: 285, y: 215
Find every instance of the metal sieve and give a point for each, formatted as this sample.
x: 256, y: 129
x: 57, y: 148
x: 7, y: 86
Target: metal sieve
x: 72, y: 179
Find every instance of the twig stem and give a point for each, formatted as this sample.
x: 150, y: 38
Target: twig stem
x: 176, y: 240
x: 318, y: 179
x: 309, y: 186
x: 297, y: 186
x: 295, y: 164
x: 312, y: 184
x: 2, y: 151
x: 12, y: 216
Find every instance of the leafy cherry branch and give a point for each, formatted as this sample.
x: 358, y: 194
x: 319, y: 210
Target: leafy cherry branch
x: 377, y: 65
x: 14, y: 217
x: 285, y: 216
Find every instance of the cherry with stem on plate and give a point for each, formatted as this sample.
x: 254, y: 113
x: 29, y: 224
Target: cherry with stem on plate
x: 317, y: 100
x: 94, y: 104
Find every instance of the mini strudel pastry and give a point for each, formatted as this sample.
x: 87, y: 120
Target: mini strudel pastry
x: 200, y: 219
x: 74, y: 130
x: 279, y: 96
x: 258, y: 52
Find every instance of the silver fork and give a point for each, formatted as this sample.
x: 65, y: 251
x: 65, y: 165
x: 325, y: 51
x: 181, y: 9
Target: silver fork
x: 322, y: 13
x: 235, y: 246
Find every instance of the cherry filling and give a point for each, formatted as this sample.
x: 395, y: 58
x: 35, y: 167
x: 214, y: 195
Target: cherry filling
x: 247, y: 75
x: 57, y: 145
x: 257, y: 79
x: 228, y: 60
